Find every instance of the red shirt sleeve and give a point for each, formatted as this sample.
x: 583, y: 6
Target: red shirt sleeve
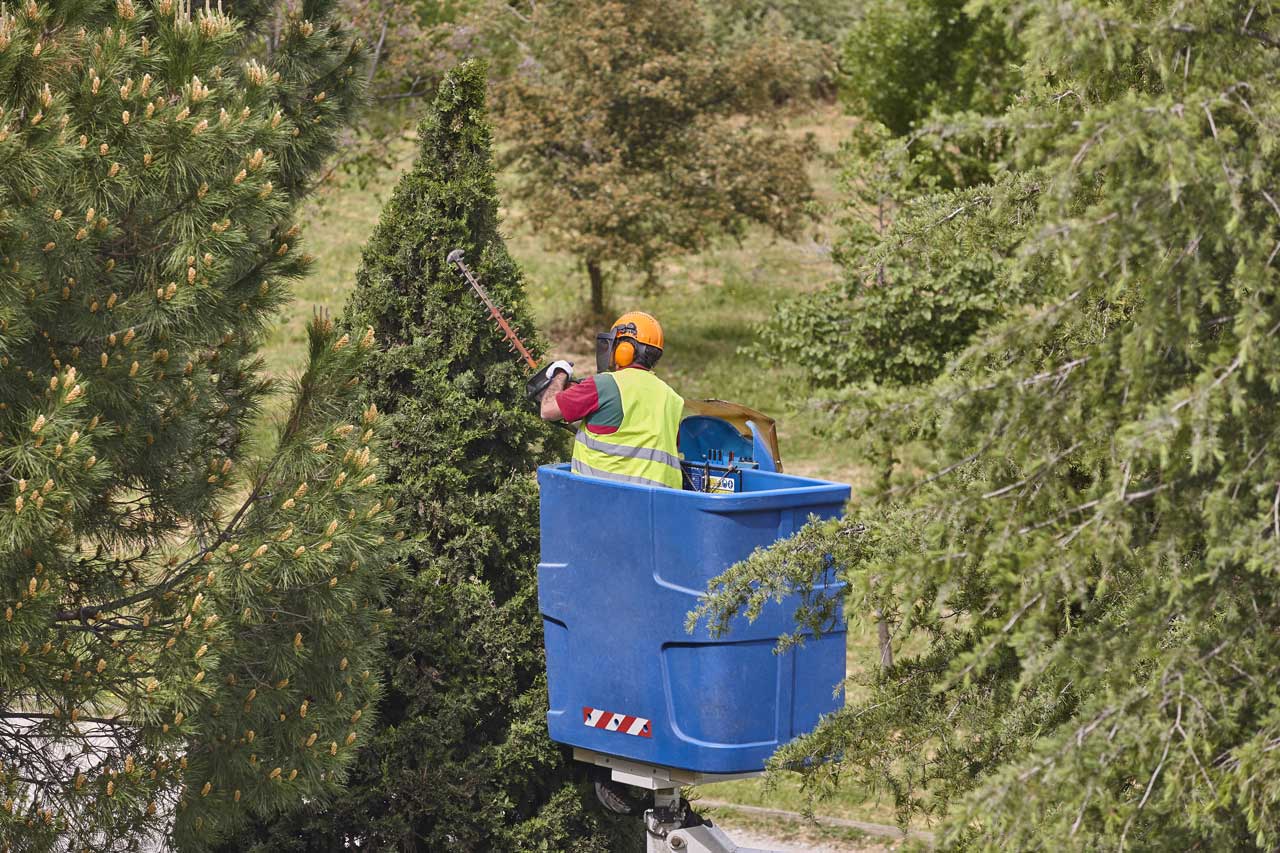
x: 578, y: 401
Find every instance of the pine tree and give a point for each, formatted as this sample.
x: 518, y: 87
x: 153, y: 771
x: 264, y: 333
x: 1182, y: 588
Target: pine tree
x: 1079, y: 546
x: 462, y: 752
x: 188, y: 629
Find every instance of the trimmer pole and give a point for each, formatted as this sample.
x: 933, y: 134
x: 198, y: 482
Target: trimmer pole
x: 455, y: 257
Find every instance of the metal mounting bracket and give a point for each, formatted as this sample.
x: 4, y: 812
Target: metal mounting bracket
x: 672, y: 827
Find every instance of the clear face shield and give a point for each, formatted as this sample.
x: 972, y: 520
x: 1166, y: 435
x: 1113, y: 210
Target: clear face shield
x: 604, y: 350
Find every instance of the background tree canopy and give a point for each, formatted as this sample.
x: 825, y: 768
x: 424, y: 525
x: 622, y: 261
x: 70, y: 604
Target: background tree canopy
x: 903, y: 60
x: 638, y: 137
x: 926, y: 78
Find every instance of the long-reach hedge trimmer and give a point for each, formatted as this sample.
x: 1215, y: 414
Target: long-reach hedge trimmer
x: 540, y: 379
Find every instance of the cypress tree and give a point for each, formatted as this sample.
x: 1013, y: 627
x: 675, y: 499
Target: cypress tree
x: 462, y: 755
x: 188, y: 629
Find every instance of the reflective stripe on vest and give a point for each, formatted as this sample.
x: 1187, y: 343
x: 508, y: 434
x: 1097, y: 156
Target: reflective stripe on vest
x: 650, y: 453
x: 643, y: 449
x: 580, y: 467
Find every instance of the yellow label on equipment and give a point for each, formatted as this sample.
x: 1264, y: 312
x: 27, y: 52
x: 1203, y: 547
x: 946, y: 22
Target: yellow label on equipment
x: 723, y: 485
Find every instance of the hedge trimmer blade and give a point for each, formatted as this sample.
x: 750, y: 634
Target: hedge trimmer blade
x: 508, y: 331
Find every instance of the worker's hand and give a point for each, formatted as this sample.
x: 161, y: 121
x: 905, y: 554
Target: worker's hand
x: 560, y: 366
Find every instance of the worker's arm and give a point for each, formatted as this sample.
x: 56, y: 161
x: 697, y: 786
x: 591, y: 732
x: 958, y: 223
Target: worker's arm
x: 568, y: 400
x: 550, y: 409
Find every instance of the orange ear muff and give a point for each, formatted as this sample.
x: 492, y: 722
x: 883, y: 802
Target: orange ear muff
x: 624, y: 354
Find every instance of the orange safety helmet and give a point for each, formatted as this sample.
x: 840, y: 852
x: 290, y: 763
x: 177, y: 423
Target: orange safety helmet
x: 636, y: 338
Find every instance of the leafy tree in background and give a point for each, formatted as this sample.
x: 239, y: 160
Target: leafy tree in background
x: 462, y: 758
x: 408, y: 44
x: 188, y: 628
x: 918, y: 280
x: 636, y: 137
x: 904, y: 60
x: 901, y: 314
x: 824, y: 23
x: 902, y: 306
x: 812, y: 33
x: 1079, y: 547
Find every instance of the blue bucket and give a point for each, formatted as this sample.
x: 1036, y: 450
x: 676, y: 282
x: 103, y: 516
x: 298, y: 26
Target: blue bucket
x: 621, y: 568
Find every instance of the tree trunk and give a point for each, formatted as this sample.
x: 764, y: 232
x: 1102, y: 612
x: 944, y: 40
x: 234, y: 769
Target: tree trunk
x: 886, y: 647
x: 597, y: 287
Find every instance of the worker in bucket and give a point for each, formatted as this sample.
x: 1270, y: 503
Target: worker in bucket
x: 630, y: 418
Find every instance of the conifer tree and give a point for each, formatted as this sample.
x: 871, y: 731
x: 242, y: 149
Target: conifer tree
x: 461, y: 759
x: 188, y: 630
x: 1079, y: 546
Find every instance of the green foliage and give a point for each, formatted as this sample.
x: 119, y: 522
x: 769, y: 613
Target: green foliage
x: 188, y: 630
x: 462, y: 757
x: 905, y: 305
x: 823, y: 23
x: 648, y: 139
x: 1078, y: 542
x: 903, y: 60
x: 918, y: 280
x: 809, y: 32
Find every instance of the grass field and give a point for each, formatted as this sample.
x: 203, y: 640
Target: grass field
x: 710, y: 308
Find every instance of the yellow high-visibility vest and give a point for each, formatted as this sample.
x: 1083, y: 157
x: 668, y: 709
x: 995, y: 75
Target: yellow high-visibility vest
x: 643, y: 450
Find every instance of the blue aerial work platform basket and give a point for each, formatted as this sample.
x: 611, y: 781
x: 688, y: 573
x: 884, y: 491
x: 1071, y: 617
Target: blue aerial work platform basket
x: 622, y: 565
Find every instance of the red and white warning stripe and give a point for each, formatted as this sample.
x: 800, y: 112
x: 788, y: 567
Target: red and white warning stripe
x: 611, y: 722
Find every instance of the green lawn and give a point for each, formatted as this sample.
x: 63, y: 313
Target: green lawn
x: 709, y: 309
